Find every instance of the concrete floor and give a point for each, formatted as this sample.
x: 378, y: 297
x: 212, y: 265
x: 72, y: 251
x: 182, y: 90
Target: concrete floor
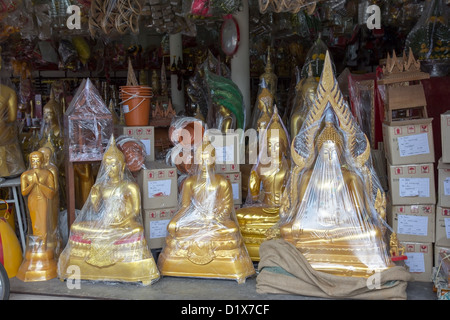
x: 170, y: 288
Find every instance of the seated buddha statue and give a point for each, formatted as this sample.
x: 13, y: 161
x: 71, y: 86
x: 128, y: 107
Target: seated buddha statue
x: 331, y: 211
x: 107, y: 240
x: 203, y: 237
x: 265, y: 187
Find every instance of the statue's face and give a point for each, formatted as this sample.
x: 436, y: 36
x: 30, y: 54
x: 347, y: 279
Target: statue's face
x: 329, y: 151
x: 48, y: 116
x: 35, y: 161
x: 113, y: 167
x: 275, y: 146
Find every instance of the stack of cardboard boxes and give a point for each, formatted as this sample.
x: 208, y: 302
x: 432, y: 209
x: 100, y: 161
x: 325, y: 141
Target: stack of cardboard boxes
x: 158, y: 184
x: 228, y: 156
x: 443, y: 205
x: 409, y: 150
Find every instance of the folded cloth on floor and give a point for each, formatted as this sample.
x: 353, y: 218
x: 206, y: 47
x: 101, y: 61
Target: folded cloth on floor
x: 284, y: 270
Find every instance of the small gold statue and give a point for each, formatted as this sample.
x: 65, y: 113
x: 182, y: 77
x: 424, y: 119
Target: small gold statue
x: 267, y: 181
x: 305, y: 92
x: 329, y: 212
x: 38, y: 185
x: 107, y: 239
x: 11, y: 159
x: 54, y: 236
x: 203, y: 237
x: 397, y: 250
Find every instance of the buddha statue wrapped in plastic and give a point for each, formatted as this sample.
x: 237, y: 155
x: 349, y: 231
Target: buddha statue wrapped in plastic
x: 333, y: 209
x: 203, y: 237
x: 106, y: 240
x: 266, y: 184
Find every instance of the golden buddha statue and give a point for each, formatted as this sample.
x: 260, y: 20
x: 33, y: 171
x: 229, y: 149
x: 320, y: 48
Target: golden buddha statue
x: 304, y: 96
x: 269, y: 76
x: 203, y: 237
x: 333, y: 208
x: 107, y: 240
x: 54, y: 236
x: 49, y: 115
x: 38, y: 185
x: 11, y: 159
x: 265, y: 187
x: 84, y: 180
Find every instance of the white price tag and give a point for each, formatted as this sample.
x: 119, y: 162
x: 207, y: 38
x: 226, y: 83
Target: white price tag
x: 147, y: 145
x: 125, y: 108
x: 447, y: 227
x: 236, y: 190
x: 415, y: 261
x: 412, y: 225
x: 158, y: 228
x: 413, y: 145
x: 159, y: 188
x: 414, y: 187
x: 447, y: 186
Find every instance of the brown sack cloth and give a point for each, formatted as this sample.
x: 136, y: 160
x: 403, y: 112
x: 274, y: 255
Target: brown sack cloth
x: 284, y: 270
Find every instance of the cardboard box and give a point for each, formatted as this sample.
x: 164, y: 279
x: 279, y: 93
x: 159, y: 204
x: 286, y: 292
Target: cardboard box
x: 412, y: 184
x: 155, y: 226
x: 409, y: 142
x: 442, y: 226
x: 145, y: 134
x: 413, y: 223
x: 236, y: 183
x: 445, y: 136
x: 443, y: 184
x: 227, y: 147
x: 158, y: 183
x: 420, y: 260
x: 227, y: 168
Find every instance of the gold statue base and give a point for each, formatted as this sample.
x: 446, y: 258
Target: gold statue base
x: 351, y: 259
x: 129, y: 262
x: 226, y: 263
x: 38, y: 266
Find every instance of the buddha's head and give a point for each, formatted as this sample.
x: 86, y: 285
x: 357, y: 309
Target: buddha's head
x: 309, y: 86
x: 277, y: 140
x: 49, y: 114
x: 114, y: 162
x: 47, y: 152
x: 206, y: 155
x: 330, y: 144
x: 36, y: 159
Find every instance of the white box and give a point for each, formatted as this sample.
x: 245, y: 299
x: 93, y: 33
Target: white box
x: 443, y: 184
x: 412, y: 184
x: 413, y: 223
x: 420, y: 260
x: 409, y: 142
x: 442, y: 226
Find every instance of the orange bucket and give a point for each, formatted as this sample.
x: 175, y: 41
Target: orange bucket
x: 136, y: 105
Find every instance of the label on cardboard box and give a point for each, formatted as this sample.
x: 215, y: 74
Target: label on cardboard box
x: 412, y: 225
x: 413, y: 145
x: 447, y: 227
x: 158, y: 228
x: 415, y: 261
x: 159, y: 188
x: 414, y: 187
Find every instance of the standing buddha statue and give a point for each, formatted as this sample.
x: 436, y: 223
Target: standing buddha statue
x: 38, y: 185
x: 265, y: 187
x: 107, y: 240
x: 203, y: 237
x: 334, y: 207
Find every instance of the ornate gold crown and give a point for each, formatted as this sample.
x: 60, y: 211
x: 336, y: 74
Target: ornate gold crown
x: 330, y: 133
x: 113, y: 151
x: 276, y: 124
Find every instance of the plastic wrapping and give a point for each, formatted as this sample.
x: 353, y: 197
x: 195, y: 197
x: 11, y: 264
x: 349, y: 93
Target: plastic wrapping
x: 134, y: 152
x: 430, y: 38
x: 334, y: 207
x: 88, y: 124
x: 39, y: 187
x: 203, y: 237
x: 315, y: 59
x: 11, y: 159
x: 106, y: 240
x: 267, y: 181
